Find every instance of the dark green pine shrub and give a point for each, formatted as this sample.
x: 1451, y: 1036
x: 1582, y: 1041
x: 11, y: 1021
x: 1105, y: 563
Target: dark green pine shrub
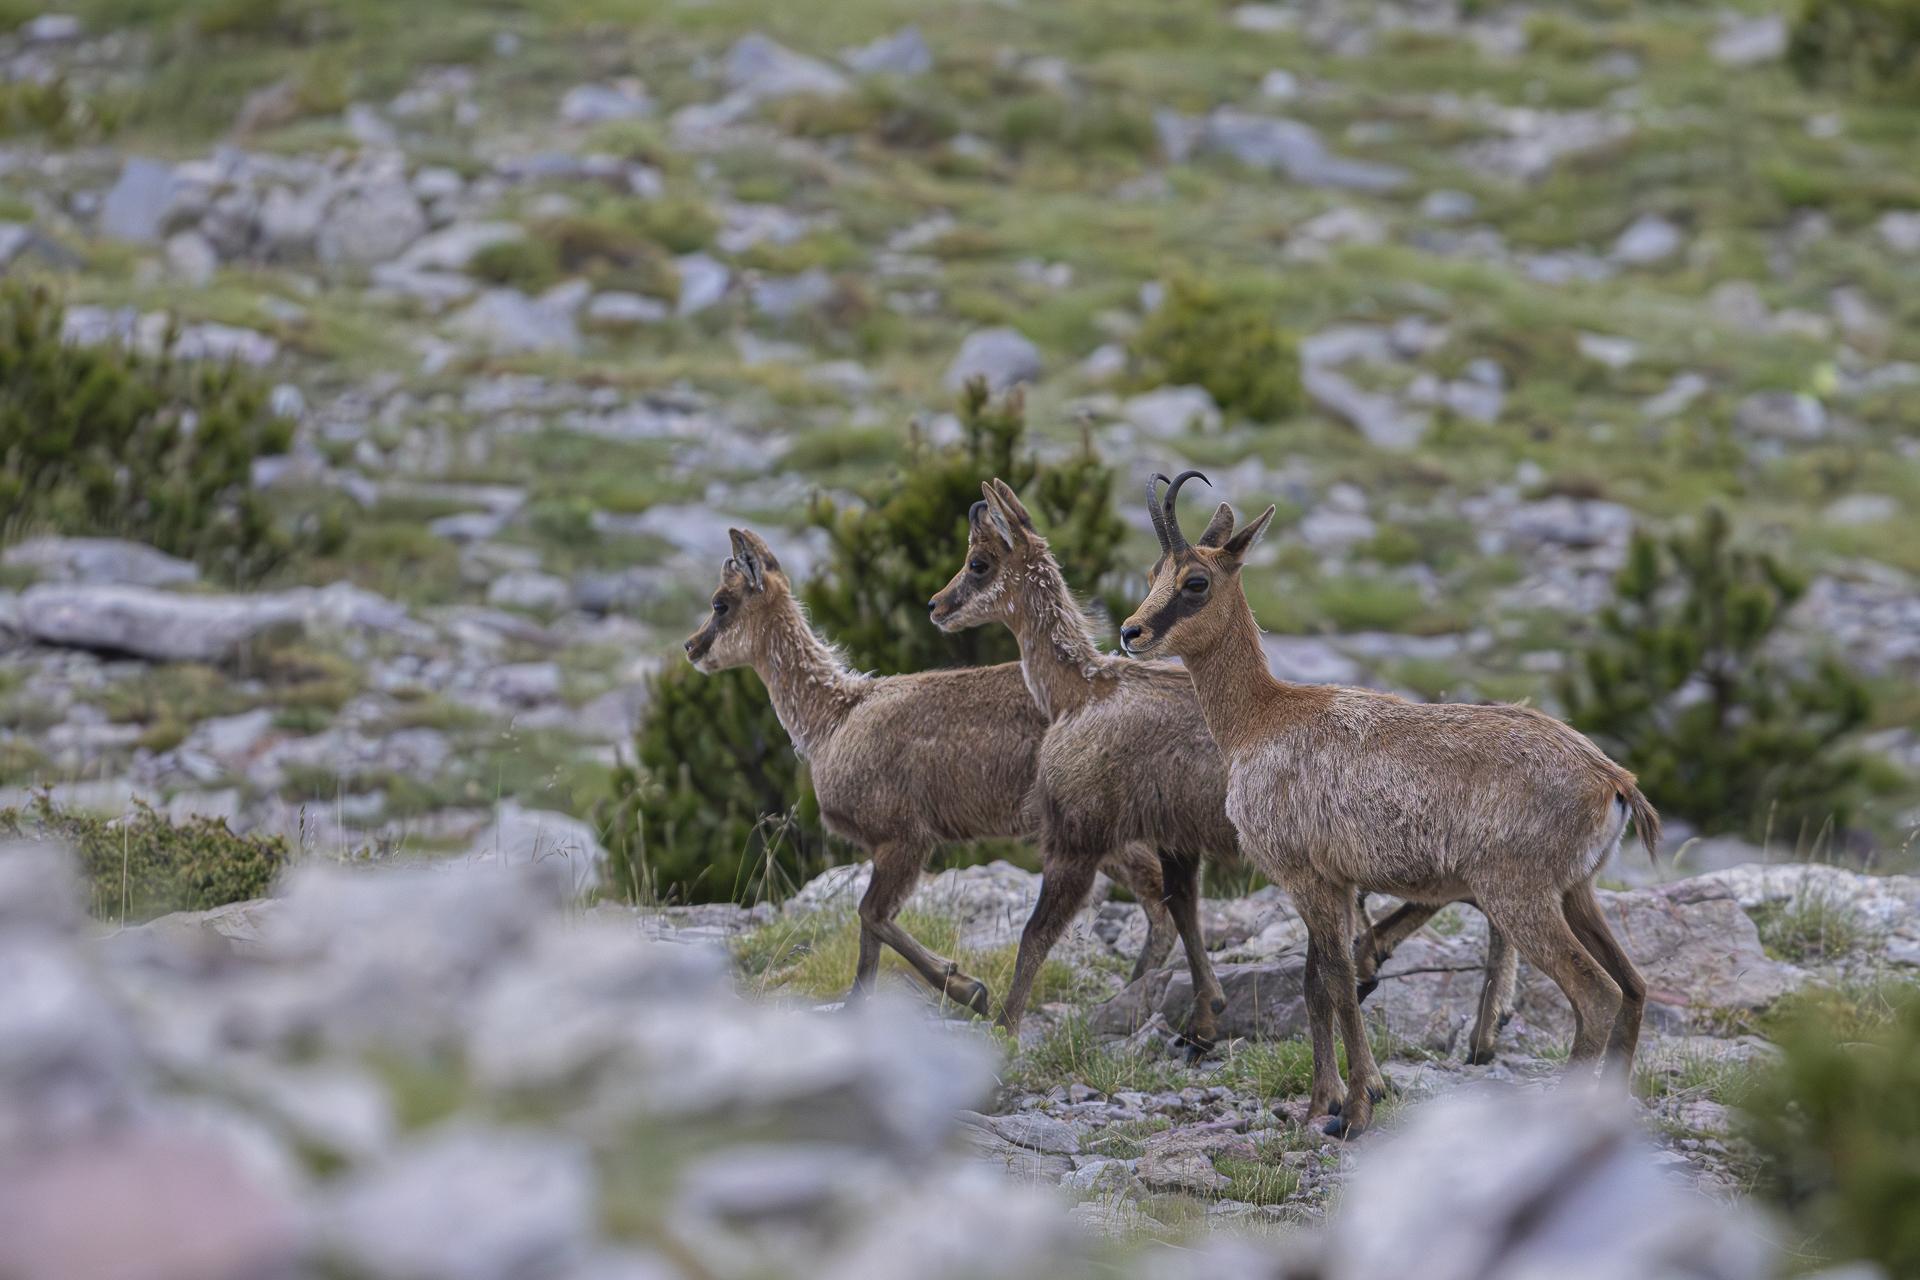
x: 1868, y: 47
x: 1204, y: 335
x: 1836, y: 1121
x: 1681, y: 686
x: 144, y: 865
x: 102, y: 440
x: 716, y: 805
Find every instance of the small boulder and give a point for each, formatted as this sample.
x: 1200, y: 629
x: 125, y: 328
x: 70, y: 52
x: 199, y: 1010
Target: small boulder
x: 1004, y: 356
x: 763, y: 69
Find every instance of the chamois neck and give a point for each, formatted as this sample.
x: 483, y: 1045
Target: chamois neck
x: 1058, y: 656
x: 810, y: 684
x: 1237, y: 691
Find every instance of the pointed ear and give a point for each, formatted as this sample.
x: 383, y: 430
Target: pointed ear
x: 1010, y: 501
x: 1218, y: 528
x: 993, y: 514
x: 752, y: 556
x: 1239, y: 544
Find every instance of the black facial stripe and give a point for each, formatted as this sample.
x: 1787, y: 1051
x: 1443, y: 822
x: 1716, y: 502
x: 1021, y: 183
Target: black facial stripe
x: 1183, y: 605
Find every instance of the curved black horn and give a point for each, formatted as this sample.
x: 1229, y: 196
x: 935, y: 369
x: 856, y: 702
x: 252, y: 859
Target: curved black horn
x: 1154, y: 513
x: 1176, y: 539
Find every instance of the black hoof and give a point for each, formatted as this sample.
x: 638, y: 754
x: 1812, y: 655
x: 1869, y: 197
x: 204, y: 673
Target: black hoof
x: 977, y: 998
x: 1480, y: 1057
x: 1367, y: 988
x: 1334, y: 1127
x: 1219, y: 1004
x: 1376, y: 1094
x: 1506, y: 1017
x: 1196, y: 1047
x: 1333, y: 1108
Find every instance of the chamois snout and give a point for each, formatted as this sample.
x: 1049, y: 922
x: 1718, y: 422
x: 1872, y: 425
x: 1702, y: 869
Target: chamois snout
x: 1128, y: 635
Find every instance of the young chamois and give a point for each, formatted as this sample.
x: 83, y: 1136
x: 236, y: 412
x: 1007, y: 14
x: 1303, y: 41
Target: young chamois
x: 900, y: 763
x: 1334, y: 790
x: 1127, y: 757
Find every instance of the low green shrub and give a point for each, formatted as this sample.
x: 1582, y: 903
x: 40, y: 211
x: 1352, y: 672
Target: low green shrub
x: 1206, y: 336
x: 144, y: 864
x: 1682, y: 686
x: 526, y: 264
x: 1837, y: 1122
x: 1869, y: 47
x: 104, y: 440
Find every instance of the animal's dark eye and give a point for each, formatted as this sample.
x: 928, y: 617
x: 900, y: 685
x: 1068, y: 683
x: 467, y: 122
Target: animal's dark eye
x: 1196, y: 584
x: 977, y: 566
x: 719, y: 606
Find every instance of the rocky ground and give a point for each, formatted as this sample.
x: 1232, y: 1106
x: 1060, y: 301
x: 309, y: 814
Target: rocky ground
x: 444, y: 1072
x: 556, y: 294
x: 554, y: 301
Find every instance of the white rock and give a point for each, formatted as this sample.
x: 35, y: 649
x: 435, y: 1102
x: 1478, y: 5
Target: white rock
x: 616, y: 310
x: 525, y: 837
x: 1744, y: 42
x: 372, y: 222
x: 1280, y: 86
x: 764, y: 70
x: 1606, y: 349
x: 1900, y: 231
x: 1448, y: 206
x: 51, y: 28
x: 99, y: 560
x: 1648, y: 240
x: 537, y: 592
x: 452, y: 248
x: 505, y: 321
x: 904, y: 53
x: 782, y: 297
x: 191, y: 259
x: 1781, y: 415
x: 587, y: 104
x: 1003, y: 356
x: 141, y: 199
x: 466, y: 1204
x: 703, y: 282
x: 1170, y: 412
x: 1861, y: 508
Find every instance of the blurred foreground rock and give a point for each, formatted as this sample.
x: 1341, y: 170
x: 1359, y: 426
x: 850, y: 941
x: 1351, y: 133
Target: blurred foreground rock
x: 1497, y: 1184
x: 441, y: 1073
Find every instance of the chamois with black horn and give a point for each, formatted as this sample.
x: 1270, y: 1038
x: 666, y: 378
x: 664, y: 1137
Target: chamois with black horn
x: 1127, y: 757
x: 1335, y: 791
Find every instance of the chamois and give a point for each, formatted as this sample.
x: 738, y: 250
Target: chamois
x: 900, y: 763
x: 1127, y: 757
x: 1335, y: 790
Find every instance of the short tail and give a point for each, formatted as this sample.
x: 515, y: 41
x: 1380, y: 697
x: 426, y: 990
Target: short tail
x: 1645, y: 820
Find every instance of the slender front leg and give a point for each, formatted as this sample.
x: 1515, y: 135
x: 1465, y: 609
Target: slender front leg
x: 1328, y: 1095
x: 896, y: 869
x: 1065, y: 879
x: 1328, y: 910
x: 1182, y: 875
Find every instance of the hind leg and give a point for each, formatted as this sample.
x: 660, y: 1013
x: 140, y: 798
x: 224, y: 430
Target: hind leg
x: 1376, y: 941
x: 896, y: 869
x: 1183, y: 900
x: 1538, y: 927
x: 1590, y: 926
x: 1496, y: 998
x: 1140, y: 870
